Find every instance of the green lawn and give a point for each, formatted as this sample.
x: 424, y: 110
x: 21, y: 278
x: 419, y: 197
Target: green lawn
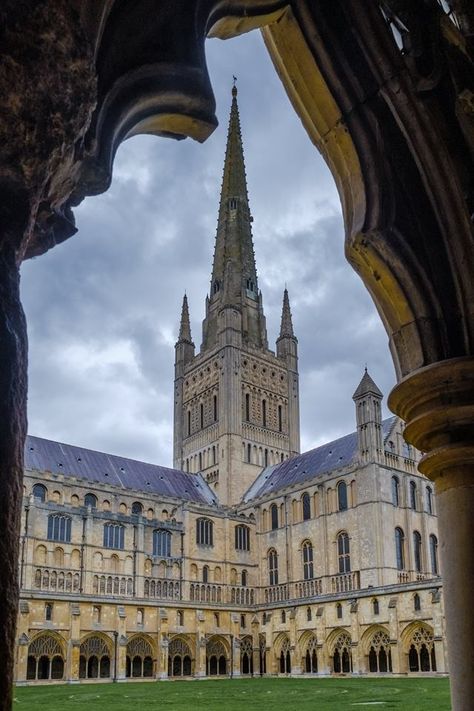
x: 430, y: 694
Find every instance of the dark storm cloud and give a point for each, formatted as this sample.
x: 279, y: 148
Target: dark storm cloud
x: 103, y: 308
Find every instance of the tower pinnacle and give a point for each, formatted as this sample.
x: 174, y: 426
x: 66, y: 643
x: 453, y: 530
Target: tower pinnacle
x: 184, y: 326
x: 286, y: 328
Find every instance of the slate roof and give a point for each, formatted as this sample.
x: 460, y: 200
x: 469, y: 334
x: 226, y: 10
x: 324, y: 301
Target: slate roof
x: 98, y: 467
x: 333, y: 455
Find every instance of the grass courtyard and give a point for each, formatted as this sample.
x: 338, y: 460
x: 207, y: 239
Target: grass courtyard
x: 418, y: 694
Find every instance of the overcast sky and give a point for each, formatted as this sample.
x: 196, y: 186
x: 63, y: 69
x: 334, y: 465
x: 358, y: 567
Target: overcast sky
x: 103, y: 308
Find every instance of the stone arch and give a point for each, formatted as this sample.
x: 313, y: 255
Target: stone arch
x: 141, y: 653
x: 339, y: 648
x: 46, y: 657
x: 308, y: 645
x: 217, y: 656
x: 246, y: 655
x: 180, y: 656
x: 375, y: 643
x: 41, y: 555
x: 282, y: 650
x: 95, y: 656
x: 418, y: 645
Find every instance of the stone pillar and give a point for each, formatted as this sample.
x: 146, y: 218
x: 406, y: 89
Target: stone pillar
x: 74, y: 654
x: 121, y: 669
x: 200, y: 666
x: 162, y: 671
x: 13, y: 385
x: 437, y: 403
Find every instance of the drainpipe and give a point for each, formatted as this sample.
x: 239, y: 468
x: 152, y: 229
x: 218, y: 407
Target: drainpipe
x: 231, y: 656
x: 181, y: 567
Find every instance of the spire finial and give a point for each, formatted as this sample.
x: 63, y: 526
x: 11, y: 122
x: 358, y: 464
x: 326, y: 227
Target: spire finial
x: 234, y: 85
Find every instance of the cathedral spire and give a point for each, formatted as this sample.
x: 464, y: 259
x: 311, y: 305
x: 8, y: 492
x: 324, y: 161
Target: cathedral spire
x: 234, y: 259
x: 286, y: 328
x: 184, y: 326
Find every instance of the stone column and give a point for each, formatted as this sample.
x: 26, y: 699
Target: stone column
x: 13, y: 385
x: 437, y: 403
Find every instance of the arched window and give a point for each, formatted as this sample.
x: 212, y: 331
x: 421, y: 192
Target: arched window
x: 180, y: 618
x: 48, y: 611
x: 216, y: 286
x: 45, y: 658
x: 376, y: 606
x: 274, y: 516
x: 59, y: 528
x: 306, y: 504
x: 214, y: 408
x: 179, y: 658
x: 94, y: 659
x: 249, y: 453
x: 308, y: 568
x: 243, y: 579
x: 264, y: 413
x: 400, y: 548
x: 247, y: 407
x: 416, y: 602
x: 309, y: 614
x: 339, y: 611
x: 417, y: 551
x: 162, y: 543
x: 204, y: 532
x: 213, y: 453
x: 413, y: 495
x: 395, y: 491
x: 139, y: 659
x: 90, y: 500
x: 429, y: 499
x: 280, y: 419
x: 137, y: 508
x: 39, y: 492
x: 342, y: 496
x: 189, y: 422
x: 434, y: 554
x: 283, y: 616
x: 343, y: 553
x: 242, y: 538
x: 114, y: 535
x: 201, y: 415
x: 205, y: 574
x: 272, y: 558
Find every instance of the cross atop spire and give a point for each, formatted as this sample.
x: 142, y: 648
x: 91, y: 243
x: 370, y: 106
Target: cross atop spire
x: 185, y: 326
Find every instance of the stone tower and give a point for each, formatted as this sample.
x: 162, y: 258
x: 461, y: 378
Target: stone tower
x: 236, y: 402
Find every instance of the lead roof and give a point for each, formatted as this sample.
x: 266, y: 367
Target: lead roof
x: 97, y: 467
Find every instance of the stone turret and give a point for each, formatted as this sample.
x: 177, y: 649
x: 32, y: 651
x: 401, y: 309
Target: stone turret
x: 184, y: 354
x: 368, y: 402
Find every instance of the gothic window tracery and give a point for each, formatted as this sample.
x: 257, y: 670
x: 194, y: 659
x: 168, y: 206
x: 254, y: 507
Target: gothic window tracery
x: 45, y: 658
x: 285, y: 657
x: 94, y: 659
x: 400, y: 548
x: 342, y: 655
x: 434, y: 554
x: 179, y: 658
x: 421, y: 654
x: 216, y: 658
x: 139, y: 659
x: 311, y: 656
x: 246, y: 656
x: 342, y: 496
x: 39, y: 492
x: 306, y: 506
x: 380, y: 656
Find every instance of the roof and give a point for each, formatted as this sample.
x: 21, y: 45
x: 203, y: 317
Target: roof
x: 366, y: 386
x: 100, y: 468
x: 331, y: 456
